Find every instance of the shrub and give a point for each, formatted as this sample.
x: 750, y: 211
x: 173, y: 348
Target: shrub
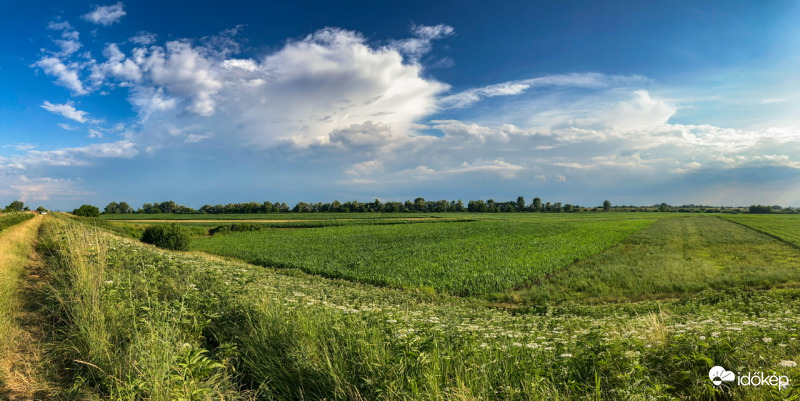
x: 167, y: 236
x: 87, y: 211
x: 236, y: 227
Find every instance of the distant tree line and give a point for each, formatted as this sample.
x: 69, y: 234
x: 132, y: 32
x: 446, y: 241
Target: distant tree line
x: 418, y: 205
x: 760, y: 209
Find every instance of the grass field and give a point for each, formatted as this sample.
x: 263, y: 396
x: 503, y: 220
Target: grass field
x: 127, y: 321
x: 278, y: 216
x: 464, y: 258
x: 783, y: 227
x: 140, y: 323
x: 672, y: 257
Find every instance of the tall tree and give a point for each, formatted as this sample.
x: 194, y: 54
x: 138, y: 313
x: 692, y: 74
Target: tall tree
x: 111, y: 208
x: 536, y: 206
x: 606, y: 206
x: 520, y: 204
x: 124, y: 207
x: 15, y: 206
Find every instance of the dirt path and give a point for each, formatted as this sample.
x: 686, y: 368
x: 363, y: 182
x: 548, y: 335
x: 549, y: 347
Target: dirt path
x: 20, y: 366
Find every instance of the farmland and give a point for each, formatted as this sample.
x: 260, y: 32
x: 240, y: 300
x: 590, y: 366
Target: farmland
x: 785, y: 228
x: 463, y: 258
x: 129, y: 321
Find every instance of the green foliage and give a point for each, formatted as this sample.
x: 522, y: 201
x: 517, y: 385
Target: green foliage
x: 756, y: 209
x: 87, y: 211
x: 167, y: 236
x: 10, y: 219
x: 15, y: 206
x: 235, y: 227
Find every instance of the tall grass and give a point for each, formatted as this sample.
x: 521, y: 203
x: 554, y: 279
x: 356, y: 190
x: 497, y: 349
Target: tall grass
x: 126, y: 331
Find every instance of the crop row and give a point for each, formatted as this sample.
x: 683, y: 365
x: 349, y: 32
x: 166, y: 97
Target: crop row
x: 463, y: 258
x: 785, y: 227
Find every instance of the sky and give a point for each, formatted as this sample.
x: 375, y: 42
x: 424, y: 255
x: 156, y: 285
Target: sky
x: 206, y: 102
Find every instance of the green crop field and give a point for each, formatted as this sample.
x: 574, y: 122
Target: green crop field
x: 464, y: 258
x: 783, y: 227
x: 130, y: 321
x: 675, y: 256
x: 278, y: 216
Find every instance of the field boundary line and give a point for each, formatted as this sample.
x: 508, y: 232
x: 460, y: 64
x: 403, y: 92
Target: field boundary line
x: 795, y: 246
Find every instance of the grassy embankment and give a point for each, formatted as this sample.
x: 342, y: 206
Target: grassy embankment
x: 148, y: 324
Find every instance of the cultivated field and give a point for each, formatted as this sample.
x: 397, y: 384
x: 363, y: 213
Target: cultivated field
x: 124, y: 320
x: 463, y: 258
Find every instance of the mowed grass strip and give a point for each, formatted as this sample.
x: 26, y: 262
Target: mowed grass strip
x: 16, y: 245
x: 675, y: 256
x: 463, y: 258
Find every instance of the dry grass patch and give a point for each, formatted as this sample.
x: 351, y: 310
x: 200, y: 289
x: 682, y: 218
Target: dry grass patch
x: 19, y: 350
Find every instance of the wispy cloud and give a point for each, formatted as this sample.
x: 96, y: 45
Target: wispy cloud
x: 67, y: 110
x: 576, y: 80
x: 105, y: 15
x: 422, y: 42
x: 66, y: 74
x: 21, y: 146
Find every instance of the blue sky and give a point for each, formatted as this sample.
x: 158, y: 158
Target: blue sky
x: 577, y: 102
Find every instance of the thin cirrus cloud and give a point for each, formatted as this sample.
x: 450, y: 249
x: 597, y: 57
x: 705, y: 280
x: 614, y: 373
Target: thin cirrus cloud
x: 576, y: 80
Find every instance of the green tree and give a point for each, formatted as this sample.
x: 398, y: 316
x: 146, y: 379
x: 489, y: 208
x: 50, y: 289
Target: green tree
x: 520, y: 204
x: 419, y: 205
x: 87, y: 211
x: 41, y: 209
x: 15, y: 206
x: 111, y: 208
x: 663, y: 207
x: 536, y: 206
x: 606, y: 206
x: 124, y: 207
